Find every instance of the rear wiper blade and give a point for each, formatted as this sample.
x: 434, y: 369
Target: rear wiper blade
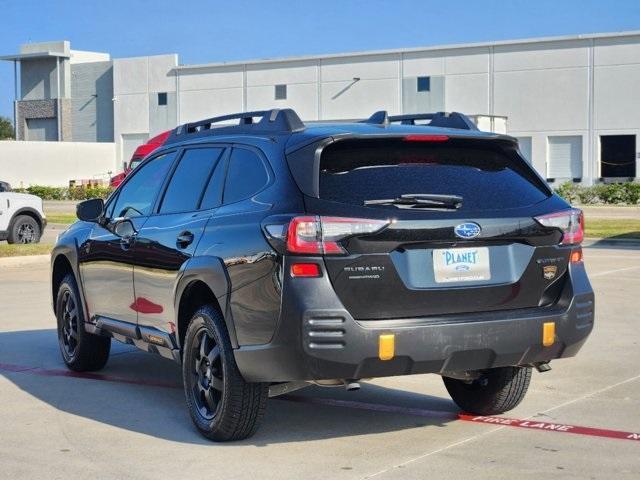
x: 420, y: 200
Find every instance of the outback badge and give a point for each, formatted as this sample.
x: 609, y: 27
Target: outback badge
x: 549, y: 272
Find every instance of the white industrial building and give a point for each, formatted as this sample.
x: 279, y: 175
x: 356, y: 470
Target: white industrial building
x: 573, y: 102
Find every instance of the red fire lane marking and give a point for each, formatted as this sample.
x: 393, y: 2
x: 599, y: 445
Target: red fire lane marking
x: 551, y: 427
x: 375, y: 407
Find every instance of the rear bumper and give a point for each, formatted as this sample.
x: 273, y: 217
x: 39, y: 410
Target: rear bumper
x: 317, y: 338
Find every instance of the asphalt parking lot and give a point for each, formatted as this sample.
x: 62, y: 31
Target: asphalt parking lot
x: 130, y: 421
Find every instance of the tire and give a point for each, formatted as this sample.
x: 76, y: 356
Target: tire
x: 497, y: 391
x: 24, y: 229
x: 222, y: 405
x: 81, y: 351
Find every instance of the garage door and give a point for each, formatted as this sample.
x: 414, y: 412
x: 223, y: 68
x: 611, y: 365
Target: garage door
x: 131, y: 141
x: 564, y: 160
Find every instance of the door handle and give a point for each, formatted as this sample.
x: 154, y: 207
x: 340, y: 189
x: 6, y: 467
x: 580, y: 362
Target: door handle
x: 184, y: 239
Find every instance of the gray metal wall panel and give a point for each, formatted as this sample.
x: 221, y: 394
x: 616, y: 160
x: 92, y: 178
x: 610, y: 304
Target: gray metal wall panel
x: 161, y: 117
x: 38, y: 79
x: 92, y: 100
x: 422, y: 102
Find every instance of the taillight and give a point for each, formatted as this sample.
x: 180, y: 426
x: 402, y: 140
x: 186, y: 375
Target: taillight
x: 571, y: 222
x: 322, y: 235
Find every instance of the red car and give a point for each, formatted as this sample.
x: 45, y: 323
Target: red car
x: 141, y: 152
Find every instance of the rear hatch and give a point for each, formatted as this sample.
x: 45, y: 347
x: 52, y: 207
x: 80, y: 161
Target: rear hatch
x: 461, y: 235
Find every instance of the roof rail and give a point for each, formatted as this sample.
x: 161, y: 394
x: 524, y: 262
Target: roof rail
x: 274, y: 121
x: 381, y: 117
x: 439, y: 119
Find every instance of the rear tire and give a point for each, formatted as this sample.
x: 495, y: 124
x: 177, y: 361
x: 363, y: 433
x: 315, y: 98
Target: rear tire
x: 497, y: 391
x: 24, y: 229
x: 222, y: 405
x: 81, y: 351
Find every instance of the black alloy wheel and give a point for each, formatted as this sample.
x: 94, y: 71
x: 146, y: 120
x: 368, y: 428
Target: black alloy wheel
x: 70, y: 321
x: 207, y: 371
x: 222, y: 405
x: 80, y: 350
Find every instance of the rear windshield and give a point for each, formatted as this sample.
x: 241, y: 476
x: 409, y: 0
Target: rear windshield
x: 356, y: 172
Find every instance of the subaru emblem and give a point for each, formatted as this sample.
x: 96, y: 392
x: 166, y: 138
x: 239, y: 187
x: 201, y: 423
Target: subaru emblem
x: 467, y: 230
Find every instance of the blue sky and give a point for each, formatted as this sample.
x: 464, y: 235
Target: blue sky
x: 235, y: 29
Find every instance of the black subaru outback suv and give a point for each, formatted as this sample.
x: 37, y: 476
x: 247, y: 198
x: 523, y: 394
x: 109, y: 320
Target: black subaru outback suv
x: 269, y: 254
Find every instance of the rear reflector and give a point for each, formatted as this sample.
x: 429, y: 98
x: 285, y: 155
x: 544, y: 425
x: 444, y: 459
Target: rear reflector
x: 548, y: 334
x: 386, y: 347
x: 305, y: 270
x: 426, y: 138
x: 570, y: 222
x: 321, y: 235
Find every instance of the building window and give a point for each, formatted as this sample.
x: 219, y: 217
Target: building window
x: 424, y: 84
x: 281, y: 92
x: 162, y: 98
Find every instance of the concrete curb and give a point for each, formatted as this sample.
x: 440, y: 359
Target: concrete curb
x: 23, y: 260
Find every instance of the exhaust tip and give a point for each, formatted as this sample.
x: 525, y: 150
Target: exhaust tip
x: 542, y: 367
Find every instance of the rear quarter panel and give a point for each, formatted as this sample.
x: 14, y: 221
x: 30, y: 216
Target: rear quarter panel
x: 252, y: 267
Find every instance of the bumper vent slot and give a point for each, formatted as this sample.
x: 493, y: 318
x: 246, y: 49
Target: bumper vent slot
x: 325, y: 332
x: 584, y: 313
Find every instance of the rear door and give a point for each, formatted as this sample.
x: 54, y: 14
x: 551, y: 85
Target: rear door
x: 480, y: 253
x: 170, y: 236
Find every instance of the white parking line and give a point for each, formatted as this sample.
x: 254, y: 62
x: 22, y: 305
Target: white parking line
x: 608, y: 272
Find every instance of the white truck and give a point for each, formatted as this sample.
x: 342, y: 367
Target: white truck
x: 22, y: 218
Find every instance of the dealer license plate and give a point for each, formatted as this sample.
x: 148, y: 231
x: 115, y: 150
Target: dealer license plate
x: 461, y: 264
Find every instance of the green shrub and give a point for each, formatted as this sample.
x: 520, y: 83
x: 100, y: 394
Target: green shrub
x: 604, y: 193
x: 84, y: 193
x: 47, y: 193
x: 66, y: 193
x: 569, y: 191
x: 633, y: 193
x: 589, y: 196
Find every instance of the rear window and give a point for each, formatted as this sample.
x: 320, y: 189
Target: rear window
x: 246, y: 175
x: 486, y: 178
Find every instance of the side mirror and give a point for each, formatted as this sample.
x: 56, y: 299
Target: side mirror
x: 90, y: 210
x: 124, y: 228
x: 124, y: 166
